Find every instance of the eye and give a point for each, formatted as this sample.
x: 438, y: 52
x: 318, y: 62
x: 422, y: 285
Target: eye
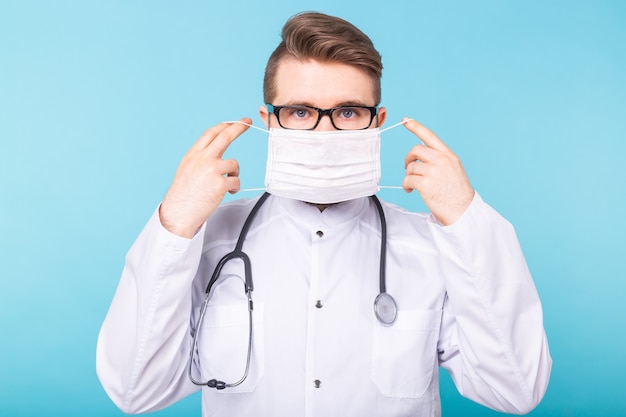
x: 298, y: 112
x: 350, y: 113
x: 301, y: 113
x: 347, y: 113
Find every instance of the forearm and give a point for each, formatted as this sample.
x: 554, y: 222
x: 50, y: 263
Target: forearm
x: 144, y: 341
x: 493, y: 344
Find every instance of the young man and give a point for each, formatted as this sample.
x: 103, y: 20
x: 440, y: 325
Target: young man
x: 313, y: 254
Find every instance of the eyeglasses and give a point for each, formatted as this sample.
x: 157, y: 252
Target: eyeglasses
x: 308, y: 117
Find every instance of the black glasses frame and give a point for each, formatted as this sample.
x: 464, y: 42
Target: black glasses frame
x: 322, y: 112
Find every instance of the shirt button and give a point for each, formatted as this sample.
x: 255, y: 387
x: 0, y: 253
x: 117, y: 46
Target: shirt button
x: 319, y: 304
x: 317, y: 383
x: 319, y: 233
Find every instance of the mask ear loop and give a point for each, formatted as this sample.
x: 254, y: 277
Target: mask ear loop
x: 247, y: 124
x: 246, y: 190
x: 267, y: 131
x: 394, y: 126
x: 392, y: 187
x: 387, y: 187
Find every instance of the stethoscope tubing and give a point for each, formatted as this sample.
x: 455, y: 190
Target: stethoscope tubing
x: 385, y: 307
x: 237, y: 253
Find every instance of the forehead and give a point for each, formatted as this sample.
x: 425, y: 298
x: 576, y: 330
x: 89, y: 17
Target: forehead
x: 322, y: 84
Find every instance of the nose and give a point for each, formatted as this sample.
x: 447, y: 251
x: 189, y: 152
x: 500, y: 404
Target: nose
x: 325, y: 123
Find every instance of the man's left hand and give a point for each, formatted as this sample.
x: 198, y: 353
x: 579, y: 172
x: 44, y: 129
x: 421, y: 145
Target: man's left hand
x: 437, y: 173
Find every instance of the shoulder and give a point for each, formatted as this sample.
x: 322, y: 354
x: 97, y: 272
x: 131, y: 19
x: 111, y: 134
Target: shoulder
x: 227, y: 220
x: 401, y: 218
x: 407, y: 227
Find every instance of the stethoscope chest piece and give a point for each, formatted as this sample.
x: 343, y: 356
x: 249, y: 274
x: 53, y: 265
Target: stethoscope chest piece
x: 385, y: 309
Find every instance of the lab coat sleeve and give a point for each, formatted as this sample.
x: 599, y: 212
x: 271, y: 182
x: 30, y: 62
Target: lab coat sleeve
x: 492, y: 340
x: 143, y: 345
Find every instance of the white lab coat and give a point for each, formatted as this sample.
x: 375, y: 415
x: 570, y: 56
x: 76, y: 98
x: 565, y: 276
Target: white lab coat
x: 466, y: 303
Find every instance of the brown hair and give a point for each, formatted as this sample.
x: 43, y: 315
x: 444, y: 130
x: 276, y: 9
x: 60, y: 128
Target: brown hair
x: 324, y: 38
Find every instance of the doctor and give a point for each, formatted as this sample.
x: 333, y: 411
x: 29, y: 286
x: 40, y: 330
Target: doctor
x: 312, y: 345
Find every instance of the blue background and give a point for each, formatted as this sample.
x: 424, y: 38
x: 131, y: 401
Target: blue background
x: 99, y: 101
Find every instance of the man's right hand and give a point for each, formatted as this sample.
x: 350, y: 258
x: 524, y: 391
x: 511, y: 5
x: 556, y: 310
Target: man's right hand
x: 201, y: 181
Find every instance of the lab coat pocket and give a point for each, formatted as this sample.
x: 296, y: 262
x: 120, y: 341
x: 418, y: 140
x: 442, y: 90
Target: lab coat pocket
x: 404, y: 354
x: 223, y: 346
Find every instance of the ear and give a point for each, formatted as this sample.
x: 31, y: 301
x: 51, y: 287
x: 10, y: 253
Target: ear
x: 382, y: 116
x: 265, y: 116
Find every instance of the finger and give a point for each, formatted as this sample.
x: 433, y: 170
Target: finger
x: 223, y: 140
x: 212, y: 133
x: 415, y: 182
x: 208, y: 136
x: 233, y: 184
x: 418, y: 169
x: 230, y: 168
x: 427, y: 136
x: 409, y: 184
x: 420, y: 153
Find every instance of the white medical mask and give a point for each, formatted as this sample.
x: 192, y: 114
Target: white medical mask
x: 323, y: 167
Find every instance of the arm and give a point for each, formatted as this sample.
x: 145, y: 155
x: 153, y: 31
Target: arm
x: 492, y: 339
x: 143, y: 346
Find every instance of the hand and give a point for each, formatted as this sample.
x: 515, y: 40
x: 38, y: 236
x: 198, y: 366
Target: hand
x: 436, y: 172
x: 201, y: 181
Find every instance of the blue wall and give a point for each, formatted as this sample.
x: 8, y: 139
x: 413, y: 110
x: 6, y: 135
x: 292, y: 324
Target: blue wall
x: 99, y: 101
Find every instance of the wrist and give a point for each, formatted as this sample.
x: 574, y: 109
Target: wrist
x: 169, y: 223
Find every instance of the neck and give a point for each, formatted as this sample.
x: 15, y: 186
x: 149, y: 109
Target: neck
x: 321, y: 207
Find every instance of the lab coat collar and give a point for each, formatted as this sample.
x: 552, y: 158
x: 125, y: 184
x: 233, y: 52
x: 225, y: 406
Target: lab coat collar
x: 333, y: 216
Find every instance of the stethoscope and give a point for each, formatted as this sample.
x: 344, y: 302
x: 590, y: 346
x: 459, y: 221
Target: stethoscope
x: 385, y: 308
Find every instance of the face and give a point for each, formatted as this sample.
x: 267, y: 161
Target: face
x: 323, y: 85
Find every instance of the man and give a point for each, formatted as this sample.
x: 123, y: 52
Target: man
x: 312, y: 345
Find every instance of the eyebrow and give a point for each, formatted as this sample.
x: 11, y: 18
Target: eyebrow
x: 340, y: 104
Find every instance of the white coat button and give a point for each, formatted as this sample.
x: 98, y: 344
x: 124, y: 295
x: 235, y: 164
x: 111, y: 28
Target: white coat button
x: 317, y: 383
x: 319, y: 304
x: 319, y: 233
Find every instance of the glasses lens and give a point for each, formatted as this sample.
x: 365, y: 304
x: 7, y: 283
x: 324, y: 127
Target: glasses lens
x: 297, y: 117
x: 352, y: 117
